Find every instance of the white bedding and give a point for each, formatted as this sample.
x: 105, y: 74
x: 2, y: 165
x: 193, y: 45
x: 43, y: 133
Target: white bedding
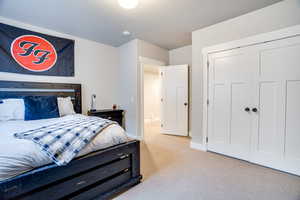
x: 18, y: 155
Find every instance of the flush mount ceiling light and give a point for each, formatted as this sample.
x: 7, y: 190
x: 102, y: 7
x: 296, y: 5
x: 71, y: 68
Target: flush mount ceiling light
x: 128, y: 4
x: 126, y: 33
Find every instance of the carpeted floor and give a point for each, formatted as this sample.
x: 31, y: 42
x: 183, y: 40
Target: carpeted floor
x: 173, y: 171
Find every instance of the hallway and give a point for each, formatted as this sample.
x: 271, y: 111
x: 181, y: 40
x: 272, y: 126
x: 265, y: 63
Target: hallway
x: 172, y: 171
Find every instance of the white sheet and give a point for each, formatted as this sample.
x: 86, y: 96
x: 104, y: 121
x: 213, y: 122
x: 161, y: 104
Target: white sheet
x: 18, y: 155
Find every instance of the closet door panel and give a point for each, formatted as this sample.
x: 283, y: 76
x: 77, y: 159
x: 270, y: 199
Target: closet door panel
x: 277, y: 140
x: 240, y: 126
x: 292, y: 145
x: 221, y: 112
x: 268, y: 111
x: 280, y: 61
x: 229, y: 126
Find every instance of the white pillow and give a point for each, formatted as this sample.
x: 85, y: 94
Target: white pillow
x: 65, y: 106
x: 12, y: 109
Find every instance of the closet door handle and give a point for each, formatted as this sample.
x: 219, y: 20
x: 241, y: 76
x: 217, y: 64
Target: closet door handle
x: 254, y: 110
x: 247, y: 109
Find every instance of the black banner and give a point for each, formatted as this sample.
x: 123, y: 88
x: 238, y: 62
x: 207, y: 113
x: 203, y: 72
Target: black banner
x: 27, y: 52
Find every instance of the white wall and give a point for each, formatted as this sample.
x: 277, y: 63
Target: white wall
x: 181, y: 56
x: 274, y: 17
x: 151, y: 96
x: 96, y: 66
x: 128, y: 84
x: 146, y: 49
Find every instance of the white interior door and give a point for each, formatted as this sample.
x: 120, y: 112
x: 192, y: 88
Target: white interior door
x: 276, y: 131
x: 174, y: 104
x: 230, y: 93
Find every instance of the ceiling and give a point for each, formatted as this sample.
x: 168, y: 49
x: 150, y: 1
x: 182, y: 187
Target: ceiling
x: 166, y: 23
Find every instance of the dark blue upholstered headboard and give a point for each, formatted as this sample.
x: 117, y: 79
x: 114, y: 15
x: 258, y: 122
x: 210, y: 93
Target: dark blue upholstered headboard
x: 16, y: 89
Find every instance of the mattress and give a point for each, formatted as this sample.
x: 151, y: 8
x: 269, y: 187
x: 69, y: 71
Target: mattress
x: 18, y: 155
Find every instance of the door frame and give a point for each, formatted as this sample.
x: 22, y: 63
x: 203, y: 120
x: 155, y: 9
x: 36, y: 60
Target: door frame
x: 285, y: 33
x: 144, y: 61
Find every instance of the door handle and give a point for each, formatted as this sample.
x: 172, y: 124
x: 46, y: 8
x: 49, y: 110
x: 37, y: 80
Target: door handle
x: 247, y: 109
x: 254, y: 110
x: 185, y: 104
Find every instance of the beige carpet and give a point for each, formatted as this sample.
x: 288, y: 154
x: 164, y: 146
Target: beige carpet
x: 172, y: 171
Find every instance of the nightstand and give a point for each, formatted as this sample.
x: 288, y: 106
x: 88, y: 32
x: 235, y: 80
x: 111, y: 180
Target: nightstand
x: 114, y: 115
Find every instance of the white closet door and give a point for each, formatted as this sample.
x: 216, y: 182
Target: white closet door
x: 230, y: 96
x: 276, y: 132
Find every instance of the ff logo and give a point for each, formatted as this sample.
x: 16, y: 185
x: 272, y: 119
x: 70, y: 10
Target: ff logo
x: 33, y: 53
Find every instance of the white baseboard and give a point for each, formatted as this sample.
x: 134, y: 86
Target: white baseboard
x: 198, y: 146
x: 135, y: 137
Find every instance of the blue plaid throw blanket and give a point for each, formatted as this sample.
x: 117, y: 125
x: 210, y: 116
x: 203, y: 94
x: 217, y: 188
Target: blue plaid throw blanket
x: 63, y: 141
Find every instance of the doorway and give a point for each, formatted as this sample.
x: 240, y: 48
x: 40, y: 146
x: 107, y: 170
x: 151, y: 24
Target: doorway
x: 164, y: 98
x: 152, y: 98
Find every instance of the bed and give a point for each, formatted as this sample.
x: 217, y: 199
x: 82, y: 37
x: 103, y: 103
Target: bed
x: 101, y: 171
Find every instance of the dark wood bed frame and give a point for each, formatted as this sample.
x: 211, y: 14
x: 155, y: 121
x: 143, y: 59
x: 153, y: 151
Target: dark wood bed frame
x: 98, y: 175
